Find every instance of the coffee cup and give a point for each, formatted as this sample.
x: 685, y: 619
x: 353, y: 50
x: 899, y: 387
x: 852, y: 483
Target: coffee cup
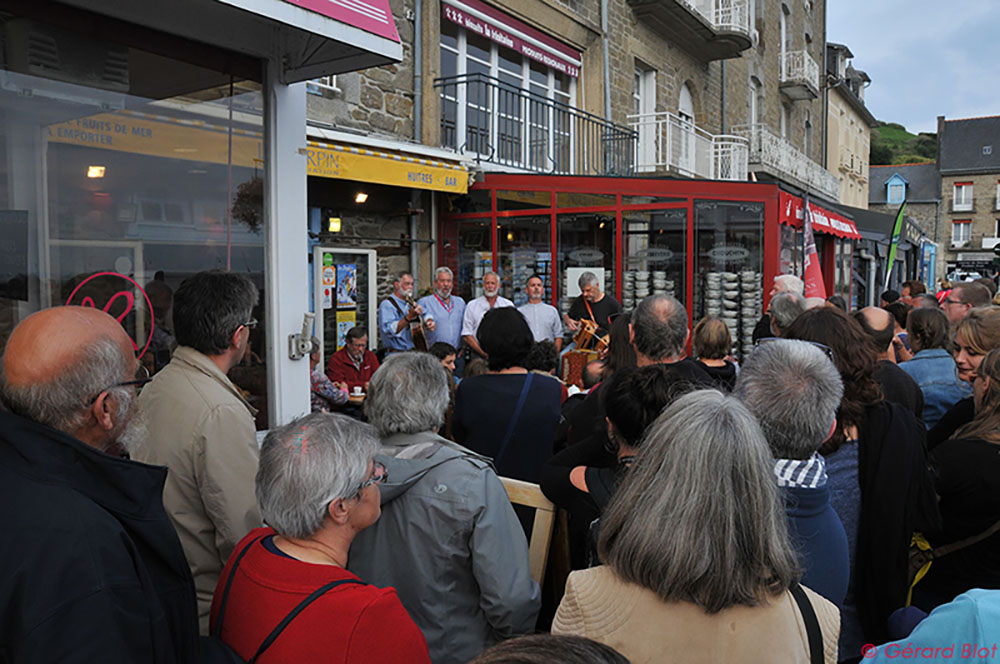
x: 357, y: 390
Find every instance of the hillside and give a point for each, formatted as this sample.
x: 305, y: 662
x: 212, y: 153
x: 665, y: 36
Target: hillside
x: 892, y: 144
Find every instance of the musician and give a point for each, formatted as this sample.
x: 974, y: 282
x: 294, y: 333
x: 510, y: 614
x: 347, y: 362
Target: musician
x: 543, y: 318
x: 444, y: 309
x: 593, y: 304
x: 395, y: 315
x: 476, y: 309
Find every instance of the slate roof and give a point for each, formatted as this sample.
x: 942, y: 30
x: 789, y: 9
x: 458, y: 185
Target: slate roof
x: 962, y: 142
x: 923, y: 182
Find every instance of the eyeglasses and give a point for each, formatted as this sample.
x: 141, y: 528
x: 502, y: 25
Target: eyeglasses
x: 251, y: 324
x: 379, y: 475
x: 141, y: 378
x: 823, y: 347
x: 948, y: 300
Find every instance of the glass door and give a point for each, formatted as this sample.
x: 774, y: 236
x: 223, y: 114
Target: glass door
x: 344, y: 296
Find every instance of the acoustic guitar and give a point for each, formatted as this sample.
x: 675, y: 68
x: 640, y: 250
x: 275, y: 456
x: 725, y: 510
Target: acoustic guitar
x: 417, y: 330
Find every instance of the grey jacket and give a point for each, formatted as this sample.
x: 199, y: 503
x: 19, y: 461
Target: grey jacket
x: 450, y: 544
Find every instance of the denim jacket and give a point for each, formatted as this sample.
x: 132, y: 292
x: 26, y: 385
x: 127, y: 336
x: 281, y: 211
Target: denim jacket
x: 935, y: 372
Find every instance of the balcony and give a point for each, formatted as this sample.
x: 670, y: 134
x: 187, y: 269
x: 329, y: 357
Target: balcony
x: 497, y: 123
x: 668, y: 142
x: 771, y: 153
x: 707, y: 29
x: 799, y: 76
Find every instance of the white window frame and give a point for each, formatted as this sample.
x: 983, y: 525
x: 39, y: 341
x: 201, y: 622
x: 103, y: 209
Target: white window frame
x: 889, y: 198
x: 996, y: 203
x: 961, y: 231
x: 461, y: 68
x: 644, y: 103
x: 962, y: 201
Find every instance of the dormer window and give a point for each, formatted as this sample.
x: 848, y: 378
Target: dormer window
x: 895, y: 189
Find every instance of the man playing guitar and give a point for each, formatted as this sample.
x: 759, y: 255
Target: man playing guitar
x: 399, y: 316
x: 593, y: 305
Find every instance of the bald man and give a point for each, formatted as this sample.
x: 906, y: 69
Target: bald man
x: 94, y: 571
x: 897, y: 385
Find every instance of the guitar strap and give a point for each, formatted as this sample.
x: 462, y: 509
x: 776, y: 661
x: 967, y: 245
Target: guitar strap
x: 590, y: 311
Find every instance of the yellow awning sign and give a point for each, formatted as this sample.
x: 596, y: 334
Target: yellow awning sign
x: 398, y: 170
x: 162, y: 136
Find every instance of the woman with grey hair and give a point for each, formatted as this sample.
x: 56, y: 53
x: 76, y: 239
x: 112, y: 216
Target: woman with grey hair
x: 317, y: 488
x: 448, y: 539
x: 698, y: 562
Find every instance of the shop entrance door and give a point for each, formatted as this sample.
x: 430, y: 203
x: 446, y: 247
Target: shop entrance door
x: 344, y: 295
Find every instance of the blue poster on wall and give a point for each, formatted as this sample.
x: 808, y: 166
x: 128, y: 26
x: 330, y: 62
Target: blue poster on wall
x: 347, y: 286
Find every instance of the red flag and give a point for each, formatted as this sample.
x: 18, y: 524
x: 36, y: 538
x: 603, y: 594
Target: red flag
x: 812, y: 274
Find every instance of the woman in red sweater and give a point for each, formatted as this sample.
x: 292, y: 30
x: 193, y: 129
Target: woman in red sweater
x: 317, y: 486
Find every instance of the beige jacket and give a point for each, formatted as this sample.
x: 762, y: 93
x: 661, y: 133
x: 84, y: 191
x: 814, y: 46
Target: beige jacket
x: 634, y: 621
x: 202, y: 429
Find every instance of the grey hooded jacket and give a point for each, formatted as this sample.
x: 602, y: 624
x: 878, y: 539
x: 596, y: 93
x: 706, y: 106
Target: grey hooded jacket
x: 450, y: 544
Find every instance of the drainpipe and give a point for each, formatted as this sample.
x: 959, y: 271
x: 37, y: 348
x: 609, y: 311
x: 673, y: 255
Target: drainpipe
x: 418, y: 123
x: 607, y: 60
x: 872, y: 275
x: 722, y: 98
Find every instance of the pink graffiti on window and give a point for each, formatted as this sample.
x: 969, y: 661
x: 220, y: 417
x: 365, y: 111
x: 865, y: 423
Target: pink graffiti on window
x: 88, y: 301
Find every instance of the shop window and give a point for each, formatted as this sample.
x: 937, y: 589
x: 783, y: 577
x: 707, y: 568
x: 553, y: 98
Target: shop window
x: 586, y: 243
x: 963, y: 197
x: 469, y: 253
x: 728, y: 266
x: 575, y: 199
x: 523, y: 249
x: 523, y: 200
x: 129, y: 191
x: 655, y: 254
x: 791, y: 251
x: 961, y: 232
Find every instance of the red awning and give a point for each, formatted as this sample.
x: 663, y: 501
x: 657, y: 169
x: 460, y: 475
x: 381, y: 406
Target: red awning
x: 823, y: 220
x: 374, y: 16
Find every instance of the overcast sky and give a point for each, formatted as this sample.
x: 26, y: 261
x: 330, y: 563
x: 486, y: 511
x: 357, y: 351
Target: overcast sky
x: 925, y: 57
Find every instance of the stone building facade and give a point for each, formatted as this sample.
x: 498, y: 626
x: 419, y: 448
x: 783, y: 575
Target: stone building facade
x: 849, y: 125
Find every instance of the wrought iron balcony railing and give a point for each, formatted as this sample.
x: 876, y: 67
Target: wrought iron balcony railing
x: 784, y: 160
x: 667, y: 141
x: 495, y: 122
x: 800, y: 75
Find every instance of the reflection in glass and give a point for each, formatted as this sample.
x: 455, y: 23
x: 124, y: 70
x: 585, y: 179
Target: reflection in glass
x: 586, y: 241
x: 152, y: 176
x: 470, y: 258
x: 728, y: 269
x: 655, y: 255
x: 524, y: 250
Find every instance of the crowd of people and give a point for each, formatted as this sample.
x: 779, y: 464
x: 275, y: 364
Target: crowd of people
x: 761, y: 508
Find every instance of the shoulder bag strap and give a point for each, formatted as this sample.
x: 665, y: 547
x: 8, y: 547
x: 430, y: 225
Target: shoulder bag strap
x: 813, y: 632
x: 296, y: 611
x: 517, y: 414
x: 968, y: 541
x: 217, y: 632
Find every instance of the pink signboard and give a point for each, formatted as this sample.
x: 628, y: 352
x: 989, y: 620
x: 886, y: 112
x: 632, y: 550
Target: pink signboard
x: 372, y: 16
x: 506, y: 30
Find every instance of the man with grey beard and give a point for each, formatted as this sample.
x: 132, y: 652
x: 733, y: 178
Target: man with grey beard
x: 95, y: 571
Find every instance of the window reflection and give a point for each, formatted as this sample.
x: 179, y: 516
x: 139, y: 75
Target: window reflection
x: 586, y: 242
x: 655, y: 255
x: 122, y: 188
x: 524, y: 251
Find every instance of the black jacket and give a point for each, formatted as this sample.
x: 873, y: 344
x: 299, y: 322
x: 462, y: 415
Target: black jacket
x: 92, y: 568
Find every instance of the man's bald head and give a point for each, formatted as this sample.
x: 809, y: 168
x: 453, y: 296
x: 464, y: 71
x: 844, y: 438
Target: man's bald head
x: 879, y: 325
x: 59, y: 367
x: 659, y: 328
x: 47, y: 343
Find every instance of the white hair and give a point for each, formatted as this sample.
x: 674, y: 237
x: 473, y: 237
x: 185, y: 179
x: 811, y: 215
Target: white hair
x: 789, y: 282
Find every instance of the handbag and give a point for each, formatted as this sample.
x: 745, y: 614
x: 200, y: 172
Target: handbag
x: 216, y: 651
x: 922, y: 554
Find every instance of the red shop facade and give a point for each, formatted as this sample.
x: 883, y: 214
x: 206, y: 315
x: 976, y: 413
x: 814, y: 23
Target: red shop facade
x: 715, y: 246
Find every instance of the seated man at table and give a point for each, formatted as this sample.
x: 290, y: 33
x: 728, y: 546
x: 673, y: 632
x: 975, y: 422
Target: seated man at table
x: 593, y: 304
x: 353, y: 364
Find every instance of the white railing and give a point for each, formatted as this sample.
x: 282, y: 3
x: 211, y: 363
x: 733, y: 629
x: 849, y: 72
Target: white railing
x: 799, y: 66
x: 666, y: 140
x: 724, y: 15
x: 785, y: 160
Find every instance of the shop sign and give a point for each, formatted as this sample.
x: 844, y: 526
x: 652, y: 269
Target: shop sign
x: 396, y: 170
x: 507, y: 31
x: 372, y: 16
x: 162, y: 136
x: 728, y: 253
x: 585, y: 255
x: 823, y: 220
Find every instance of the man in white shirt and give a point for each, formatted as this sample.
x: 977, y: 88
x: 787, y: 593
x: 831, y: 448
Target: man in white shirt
x: 543, y: 318
x: 476, y: 309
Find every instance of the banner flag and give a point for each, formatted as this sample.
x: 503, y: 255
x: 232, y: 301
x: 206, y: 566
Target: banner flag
x: 812, y: 274
x: 897, y: 229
